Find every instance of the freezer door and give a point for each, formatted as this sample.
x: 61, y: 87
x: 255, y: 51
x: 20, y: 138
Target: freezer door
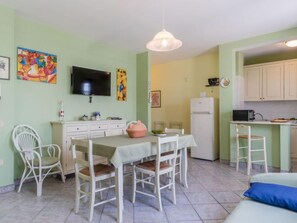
x: 202, y: 129
x: 202, y: 106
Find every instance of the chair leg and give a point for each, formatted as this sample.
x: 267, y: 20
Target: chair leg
x: 77, y: 194
x: 92, y: 200
x: 237, y: 157
x: 62, y: 174
x: 39, y: 182
x: 157, y: 186
x: 134, y: 185
x: 265, y: 155
x: 249, y: 161
x: 173, y: 187
x: 22, y: 179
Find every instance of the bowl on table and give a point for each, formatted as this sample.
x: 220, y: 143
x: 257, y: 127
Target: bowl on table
x: 136, y: 133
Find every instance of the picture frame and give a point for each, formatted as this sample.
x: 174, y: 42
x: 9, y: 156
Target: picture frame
x: 156, y: 99
x: 4, y: 68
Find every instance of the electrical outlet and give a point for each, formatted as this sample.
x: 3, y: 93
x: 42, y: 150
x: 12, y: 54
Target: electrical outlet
x: 1, y: 162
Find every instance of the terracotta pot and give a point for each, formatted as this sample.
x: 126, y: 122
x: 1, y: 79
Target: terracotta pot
x: 136, y: 133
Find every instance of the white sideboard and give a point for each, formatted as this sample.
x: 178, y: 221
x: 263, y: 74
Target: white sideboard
x: 62, y: 132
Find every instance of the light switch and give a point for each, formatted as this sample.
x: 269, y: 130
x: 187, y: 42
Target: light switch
x: 1, y: 123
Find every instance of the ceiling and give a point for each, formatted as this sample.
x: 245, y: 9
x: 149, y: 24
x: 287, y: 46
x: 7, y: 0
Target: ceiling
x: 129, y: 24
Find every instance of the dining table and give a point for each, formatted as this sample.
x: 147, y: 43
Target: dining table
x: 122, y: 149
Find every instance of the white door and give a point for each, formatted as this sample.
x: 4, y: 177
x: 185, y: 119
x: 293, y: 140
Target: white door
x: 202, y: 129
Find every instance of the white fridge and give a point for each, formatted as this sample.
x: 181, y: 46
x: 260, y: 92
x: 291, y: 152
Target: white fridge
x: 205, y: 128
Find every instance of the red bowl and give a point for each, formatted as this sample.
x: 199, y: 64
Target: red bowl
x: 136, y: 133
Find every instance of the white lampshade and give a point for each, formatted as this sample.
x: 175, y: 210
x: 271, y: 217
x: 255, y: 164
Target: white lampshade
x: 164, y: 41
x: 291, y: 43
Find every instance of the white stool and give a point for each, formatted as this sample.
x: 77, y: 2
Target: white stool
x: 244, y: 132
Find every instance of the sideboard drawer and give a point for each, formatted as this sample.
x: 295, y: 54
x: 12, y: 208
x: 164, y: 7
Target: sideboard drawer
x: 117, y: 126
x: 77, y: 128
x: 99, y: 127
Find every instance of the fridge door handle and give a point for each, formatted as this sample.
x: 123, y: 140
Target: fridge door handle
x: 205, y: 112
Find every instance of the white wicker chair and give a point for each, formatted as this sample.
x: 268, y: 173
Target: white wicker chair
x: 39, y: 160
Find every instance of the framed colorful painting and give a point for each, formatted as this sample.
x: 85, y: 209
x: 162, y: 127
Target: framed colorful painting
x: 121, y: 85
x: 36, y: 66
x: 156, y: 99
x: 4, y: 68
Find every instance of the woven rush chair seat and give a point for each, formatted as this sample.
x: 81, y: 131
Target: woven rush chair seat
x: 99, y: 170
x: 151, y: 165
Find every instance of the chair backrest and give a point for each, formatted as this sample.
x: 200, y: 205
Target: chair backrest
x: 159, y: 125
x: 243, y: 130
x: 166, y: 150
x: 81, y: 162
x: 175, y: 125
x: 114, y: 132
x: 176, y: 131
x: 25, y: 138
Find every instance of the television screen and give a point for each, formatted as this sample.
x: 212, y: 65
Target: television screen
x: 90, y: 82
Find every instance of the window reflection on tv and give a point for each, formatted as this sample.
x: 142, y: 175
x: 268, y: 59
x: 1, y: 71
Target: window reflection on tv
x: 90, y: 82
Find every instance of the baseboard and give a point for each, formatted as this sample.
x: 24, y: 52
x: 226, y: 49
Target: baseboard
x: 223, y: 161
x: 7, y: 188
x: 255, y: 166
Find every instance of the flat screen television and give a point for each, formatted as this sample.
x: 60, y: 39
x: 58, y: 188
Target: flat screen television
x: 90, y: 82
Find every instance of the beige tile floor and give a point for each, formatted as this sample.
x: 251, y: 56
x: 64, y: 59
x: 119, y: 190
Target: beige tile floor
x: 214, y: 190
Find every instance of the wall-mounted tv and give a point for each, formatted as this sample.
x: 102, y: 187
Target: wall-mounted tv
x: 90, y: 82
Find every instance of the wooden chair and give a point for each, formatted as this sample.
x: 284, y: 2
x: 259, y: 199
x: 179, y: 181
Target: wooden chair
x: 87, y: 175
x: 163, y: 165
x: 159, y: 125
x: 39, y: 160
x: 178, y: 158
x: 175, y: 125
x: 243, y: 132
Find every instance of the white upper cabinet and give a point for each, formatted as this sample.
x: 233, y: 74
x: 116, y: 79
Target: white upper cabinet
x: 291, y: 80
x: 253, y: 83
x: 271, y: 81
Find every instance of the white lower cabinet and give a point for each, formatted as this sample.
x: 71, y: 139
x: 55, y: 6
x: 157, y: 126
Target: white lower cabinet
x: 63, y: 132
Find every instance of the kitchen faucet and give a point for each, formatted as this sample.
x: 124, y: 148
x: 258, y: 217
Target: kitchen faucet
x: 260, y: 116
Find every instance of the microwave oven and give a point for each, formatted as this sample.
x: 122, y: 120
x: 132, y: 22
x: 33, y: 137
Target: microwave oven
x: 243, y: 115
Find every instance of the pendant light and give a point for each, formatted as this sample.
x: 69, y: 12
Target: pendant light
x: 291, y: 43
x: 164, y: 41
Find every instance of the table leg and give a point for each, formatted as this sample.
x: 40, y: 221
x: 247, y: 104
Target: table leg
x: 119, y: 192
x: 184, y: 167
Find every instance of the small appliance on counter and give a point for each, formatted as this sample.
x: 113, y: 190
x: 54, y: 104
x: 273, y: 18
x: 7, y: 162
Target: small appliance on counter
x: 243, y: 115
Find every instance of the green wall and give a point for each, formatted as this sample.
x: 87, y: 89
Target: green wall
x: 143, y: 87
x: 228, y: 63
x: 7, y: 114
x: 36, y: 104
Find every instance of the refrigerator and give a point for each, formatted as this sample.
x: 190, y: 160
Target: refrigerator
x: 205, y: 128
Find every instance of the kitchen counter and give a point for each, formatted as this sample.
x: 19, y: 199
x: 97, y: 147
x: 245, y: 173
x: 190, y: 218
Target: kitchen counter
x: 264, y: 122
x: 277, y: 141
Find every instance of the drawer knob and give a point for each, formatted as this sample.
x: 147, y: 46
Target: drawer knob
x: 99, y: 127
x: 77, y: 128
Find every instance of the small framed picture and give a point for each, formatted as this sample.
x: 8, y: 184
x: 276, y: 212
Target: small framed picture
x: 156, y: 99
x: 4, y: 68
